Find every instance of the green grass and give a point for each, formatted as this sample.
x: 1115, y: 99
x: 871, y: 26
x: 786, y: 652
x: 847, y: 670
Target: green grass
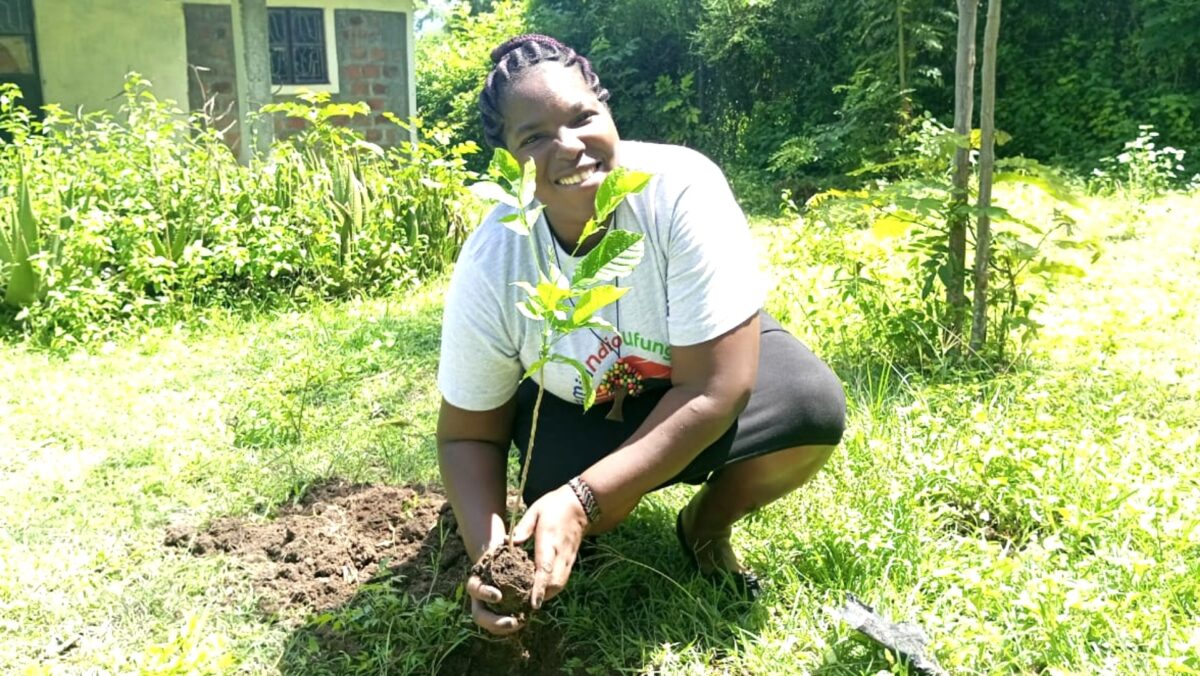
x: 1042, y: 519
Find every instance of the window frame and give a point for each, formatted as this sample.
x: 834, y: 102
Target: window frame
x: 331, y: 61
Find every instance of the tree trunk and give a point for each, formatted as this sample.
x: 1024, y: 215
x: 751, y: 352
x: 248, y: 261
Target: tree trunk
x: 987, y: 161
x: 964, y: 93
x: 256, y: 57
x: 902, y: 62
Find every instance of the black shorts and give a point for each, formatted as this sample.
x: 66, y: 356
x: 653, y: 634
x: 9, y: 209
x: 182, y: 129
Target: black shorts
x: 796, y: 401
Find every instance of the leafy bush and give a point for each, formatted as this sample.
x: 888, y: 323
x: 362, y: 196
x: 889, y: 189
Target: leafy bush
x: 887, y: 249
x: 114, y: 221
x: 453, y: 62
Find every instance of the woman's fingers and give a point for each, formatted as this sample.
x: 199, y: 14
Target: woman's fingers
x: 476, y: 589
x: 492, y: 623
x: 527, y: 524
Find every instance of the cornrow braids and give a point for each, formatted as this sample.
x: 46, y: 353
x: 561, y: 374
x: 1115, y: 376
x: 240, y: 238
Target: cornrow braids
x: 517, y: 55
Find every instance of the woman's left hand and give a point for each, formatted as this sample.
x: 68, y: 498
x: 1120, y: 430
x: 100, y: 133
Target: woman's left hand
x: 556, y: 522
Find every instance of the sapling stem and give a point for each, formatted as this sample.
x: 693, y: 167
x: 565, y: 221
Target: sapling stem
x: 549, y: 302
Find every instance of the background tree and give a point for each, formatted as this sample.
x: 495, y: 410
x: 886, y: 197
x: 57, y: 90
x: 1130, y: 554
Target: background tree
x: 987, y: 163
x: 964, y: 98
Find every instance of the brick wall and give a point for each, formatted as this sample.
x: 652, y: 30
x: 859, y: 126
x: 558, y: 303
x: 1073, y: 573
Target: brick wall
x: 372, y: 67
x: 209, y: 32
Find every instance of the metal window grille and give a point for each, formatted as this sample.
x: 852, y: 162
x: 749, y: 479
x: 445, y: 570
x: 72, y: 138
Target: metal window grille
x: 297, y: 40
x: 14, y: 17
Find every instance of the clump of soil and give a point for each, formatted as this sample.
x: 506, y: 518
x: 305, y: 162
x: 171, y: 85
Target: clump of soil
x: 317, y: 553
x: 509, y: 569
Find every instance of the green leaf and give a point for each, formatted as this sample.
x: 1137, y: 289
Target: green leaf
x: 589, y: 396
x: 528, y: 183
x: 619, y: 184
x: 615, y: 255
x: 594, y: 299
x: 505, y: 166
x: 22, y: 288
x: 490, y: 191
x: 536, y: 366
x: 1055, y: 268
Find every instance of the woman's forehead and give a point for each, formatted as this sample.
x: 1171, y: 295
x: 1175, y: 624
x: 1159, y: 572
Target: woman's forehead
x: 547, y: 85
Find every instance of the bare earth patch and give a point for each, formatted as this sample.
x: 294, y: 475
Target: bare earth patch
x: 314, y: 556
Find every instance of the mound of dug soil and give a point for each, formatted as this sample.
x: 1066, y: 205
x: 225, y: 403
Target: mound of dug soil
x: 317, y: 553
x: 314, y: 556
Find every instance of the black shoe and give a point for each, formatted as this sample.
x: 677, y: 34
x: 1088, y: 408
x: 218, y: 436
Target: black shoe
x: 746, y: 582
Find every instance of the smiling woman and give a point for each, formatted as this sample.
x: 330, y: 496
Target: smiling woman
x: 723, y: 396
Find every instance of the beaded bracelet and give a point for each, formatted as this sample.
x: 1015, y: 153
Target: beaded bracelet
x: 586, y: 498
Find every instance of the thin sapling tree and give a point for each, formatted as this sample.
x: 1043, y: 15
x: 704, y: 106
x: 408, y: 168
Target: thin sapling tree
x: 559, y: 305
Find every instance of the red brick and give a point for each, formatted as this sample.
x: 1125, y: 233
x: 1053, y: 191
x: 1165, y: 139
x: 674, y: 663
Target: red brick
x: 294, y: 123
x: 374, y: 135
x: 370, y: 71
x: 378, y: 54
x: 358, y: 53
x: 359, y: 88
x: 391, y: 71
x: 379, y: 88
x: 376, y: 104
x: 352, y: 72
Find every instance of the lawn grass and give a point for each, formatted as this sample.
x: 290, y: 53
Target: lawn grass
x: 1041, y: 519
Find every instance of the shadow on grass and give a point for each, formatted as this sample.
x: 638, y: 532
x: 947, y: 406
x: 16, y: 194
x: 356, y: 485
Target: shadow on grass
x: 631, y: 599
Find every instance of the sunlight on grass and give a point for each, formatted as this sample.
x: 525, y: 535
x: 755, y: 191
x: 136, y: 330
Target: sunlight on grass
x: 1041, y: 518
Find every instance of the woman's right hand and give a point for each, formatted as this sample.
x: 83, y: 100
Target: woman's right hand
x: 480, y: 593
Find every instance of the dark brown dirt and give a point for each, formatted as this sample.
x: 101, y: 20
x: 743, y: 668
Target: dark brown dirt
x: 509, y: 569
x: 317, y: 553
x: 314, y: 556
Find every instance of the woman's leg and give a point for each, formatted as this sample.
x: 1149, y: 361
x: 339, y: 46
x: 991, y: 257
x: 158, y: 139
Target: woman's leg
x: 798, y: 406
x: 742, y: 488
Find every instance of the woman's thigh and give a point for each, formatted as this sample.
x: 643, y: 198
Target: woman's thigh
x: 797, y: 401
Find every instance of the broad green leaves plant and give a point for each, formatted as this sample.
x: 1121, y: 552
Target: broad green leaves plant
x: 561, y: 305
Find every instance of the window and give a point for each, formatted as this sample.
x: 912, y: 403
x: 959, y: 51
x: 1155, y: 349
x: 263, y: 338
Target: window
x: 297, y: 39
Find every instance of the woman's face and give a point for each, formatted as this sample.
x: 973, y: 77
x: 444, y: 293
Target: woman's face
x: 552, y: 116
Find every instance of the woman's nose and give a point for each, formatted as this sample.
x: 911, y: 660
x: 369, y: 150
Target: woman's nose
x: 569, y: 143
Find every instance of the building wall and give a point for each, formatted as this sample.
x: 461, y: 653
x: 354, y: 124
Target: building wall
x: 212, y: 66
x: 373, y: 68
x: 85, y: 48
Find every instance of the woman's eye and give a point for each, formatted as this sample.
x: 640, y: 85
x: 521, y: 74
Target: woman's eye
x: 530, y: 140
x: 584, y: 118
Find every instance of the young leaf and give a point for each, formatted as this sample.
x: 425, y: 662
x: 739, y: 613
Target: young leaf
x: 594, y: 299
x: 505, y: 166
x: 619, y: 184
x: 535, y: 367
x: 614, y: 256
x: 515, y: 223
x: 589, y: 396
x: 528, y: 183
x: 491, y: 191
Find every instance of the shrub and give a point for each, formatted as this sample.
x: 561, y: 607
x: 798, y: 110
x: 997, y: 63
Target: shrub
x: 111, y: 222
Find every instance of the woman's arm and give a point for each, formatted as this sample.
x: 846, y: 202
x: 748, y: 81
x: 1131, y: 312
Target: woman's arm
x: 711, y: 384
x: 472, y: 457
x: 472, y: 452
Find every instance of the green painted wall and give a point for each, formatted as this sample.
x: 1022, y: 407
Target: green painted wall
x: 85, y: 47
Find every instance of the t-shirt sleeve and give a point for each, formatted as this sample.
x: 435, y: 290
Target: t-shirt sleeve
x: 479, y: 366
x: 714, y: 281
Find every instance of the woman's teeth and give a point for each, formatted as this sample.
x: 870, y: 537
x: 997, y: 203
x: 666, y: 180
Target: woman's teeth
x: 580, y: 177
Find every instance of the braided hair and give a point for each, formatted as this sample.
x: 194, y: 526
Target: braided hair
x: 517, y: 55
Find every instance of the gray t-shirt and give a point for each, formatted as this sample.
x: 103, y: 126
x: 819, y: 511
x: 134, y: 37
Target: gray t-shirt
x: 699, y: 278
